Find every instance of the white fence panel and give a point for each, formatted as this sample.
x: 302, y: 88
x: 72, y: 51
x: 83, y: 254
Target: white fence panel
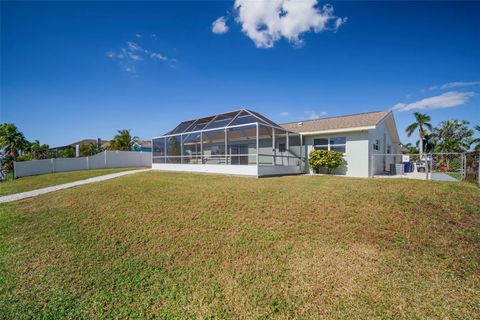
x: 97, y: 161
x: 121, y: 159
x: 70, y: 164
x: 31, y: 168
x: 103, y: 160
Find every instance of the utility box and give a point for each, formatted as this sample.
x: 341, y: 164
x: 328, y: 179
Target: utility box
x: 396, y: 169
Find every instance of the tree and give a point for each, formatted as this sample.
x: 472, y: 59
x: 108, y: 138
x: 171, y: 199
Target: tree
x: 13, y: 141
x: 123, y: 141
x: 477, y: 140
x: 422, y: 124
x: 452, y: 136
x: 37, y: 150
x: 410, y: 148
x: 89, y: 149
x: 330, y: 160
x: 68, y: 153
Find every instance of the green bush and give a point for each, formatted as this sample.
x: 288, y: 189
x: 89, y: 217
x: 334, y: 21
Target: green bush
x: 68, y: 153
x: 455, y: 164
x: 329, y: 160
x: 24, y: 157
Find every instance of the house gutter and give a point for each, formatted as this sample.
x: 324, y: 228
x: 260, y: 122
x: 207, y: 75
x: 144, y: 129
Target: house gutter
x: 310, y: 133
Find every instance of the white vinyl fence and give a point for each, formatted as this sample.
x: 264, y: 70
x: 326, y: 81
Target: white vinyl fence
x: 103, y: 160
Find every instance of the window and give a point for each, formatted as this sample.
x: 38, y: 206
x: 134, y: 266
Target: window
x: 376, y: 145
x: 338, y: 144
x: 389, y: 149
x: 332, y: 143
x: 320, y: 142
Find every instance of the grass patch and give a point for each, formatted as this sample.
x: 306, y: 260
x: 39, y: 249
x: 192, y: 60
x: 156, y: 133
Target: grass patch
x: 51, y: 179
x: 455, y: 175
x: 171, y: 245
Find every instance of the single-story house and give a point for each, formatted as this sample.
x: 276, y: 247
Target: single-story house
x: 76, y: 145
x: 143, y: 146
x: 358, y: 136
x: 140, y: 145
x: 244, y: 142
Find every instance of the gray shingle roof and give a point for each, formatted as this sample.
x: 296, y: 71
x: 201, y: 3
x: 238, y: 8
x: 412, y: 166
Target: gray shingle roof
x: 336, y: 123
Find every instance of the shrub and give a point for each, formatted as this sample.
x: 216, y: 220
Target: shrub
x: 68, y: 153
x: 24, y: 157
x: 329, y: 160
x: 455, y: 164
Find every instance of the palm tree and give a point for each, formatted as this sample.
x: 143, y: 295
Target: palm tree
x: 123, y: 141
x: 12, y: 141
x: 89, y: 149
x: 422, y: 123
x: 452, y: 136
x: 410, y: 148
x: 38, y: 151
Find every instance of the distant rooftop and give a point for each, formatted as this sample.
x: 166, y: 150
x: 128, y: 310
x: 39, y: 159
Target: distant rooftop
x: 335, y: 123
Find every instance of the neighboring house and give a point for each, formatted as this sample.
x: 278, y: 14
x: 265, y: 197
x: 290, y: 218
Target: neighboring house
x: 143, y: 146
x: 76, y: 145
x: 358, y: 136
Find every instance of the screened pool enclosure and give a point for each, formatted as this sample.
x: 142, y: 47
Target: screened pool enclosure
x: 240, y: 142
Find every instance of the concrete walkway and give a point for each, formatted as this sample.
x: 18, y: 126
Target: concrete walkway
x: 440, y: 176
x: 34, y: 193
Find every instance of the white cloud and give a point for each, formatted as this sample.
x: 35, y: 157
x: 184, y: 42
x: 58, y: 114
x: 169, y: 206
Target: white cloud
x: 132, y: 46
x: 266, y: 22
x: 130, y: 69
x: 314, y: 115
x: 455, y: 84
x: 135, y: 57
x: 219, y: 26
x: 138, y: 35
x: 459, y: 84
x: 445, y: 100
x: 158, y: 56
x: 284, y: 114
x: 129, y: 56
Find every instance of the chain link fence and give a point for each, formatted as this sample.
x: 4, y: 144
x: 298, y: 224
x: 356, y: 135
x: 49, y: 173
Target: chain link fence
x: 472, y: 167
x: 452, y: 167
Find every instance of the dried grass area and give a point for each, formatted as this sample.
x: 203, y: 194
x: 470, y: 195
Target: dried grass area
x: 177, y: 246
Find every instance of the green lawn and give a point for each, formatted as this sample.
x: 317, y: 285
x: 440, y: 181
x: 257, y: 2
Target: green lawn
x: 178, y: 246
x: 51, y: 179
x: 455, y: 175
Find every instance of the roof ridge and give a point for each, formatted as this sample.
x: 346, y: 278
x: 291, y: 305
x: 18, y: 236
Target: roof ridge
x: 343, y: 116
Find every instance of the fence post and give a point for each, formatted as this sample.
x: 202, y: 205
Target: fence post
x: 53, y: 164
x: 105, y: 159
x: 464, y: 164
x: 88, y: 165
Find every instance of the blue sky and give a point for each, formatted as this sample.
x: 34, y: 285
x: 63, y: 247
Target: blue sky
x: 82, y: 70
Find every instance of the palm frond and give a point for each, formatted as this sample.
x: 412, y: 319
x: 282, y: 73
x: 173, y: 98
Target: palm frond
x: 411, y: 129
